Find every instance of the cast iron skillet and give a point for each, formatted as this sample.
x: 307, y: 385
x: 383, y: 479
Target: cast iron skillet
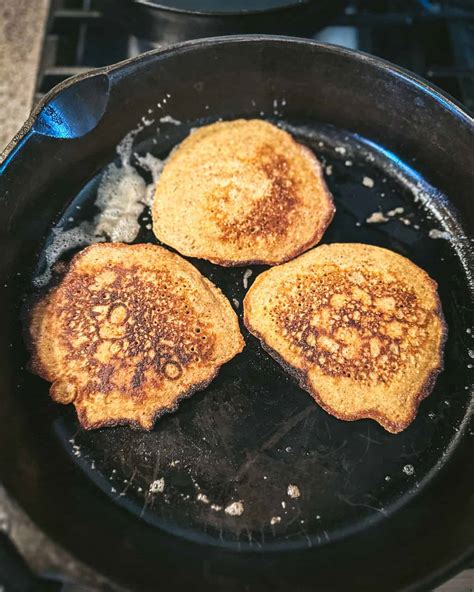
x: 377, y: 511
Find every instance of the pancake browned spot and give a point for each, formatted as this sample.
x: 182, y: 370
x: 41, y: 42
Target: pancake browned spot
x: 241, y: 192
x: 130, y: 330
x: 359, y: 326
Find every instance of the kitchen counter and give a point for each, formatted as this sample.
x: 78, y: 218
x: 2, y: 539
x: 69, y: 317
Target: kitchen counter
x: 22, y: 28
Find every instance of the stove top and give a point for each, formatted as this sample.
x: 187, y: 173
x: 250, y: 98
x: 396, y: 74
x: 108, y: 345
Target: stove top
x: 432, y: 39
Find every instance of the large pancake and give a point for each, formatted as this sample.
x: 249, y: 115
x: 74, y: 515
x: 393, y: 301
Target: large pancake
x: 241, y: 192
x: 128, y: 332
x: 360, y: 327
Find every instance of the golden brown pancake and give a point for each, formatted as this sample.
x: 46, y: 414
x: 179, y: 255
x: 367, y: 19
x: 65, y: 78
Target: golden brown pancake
x: 241, y: 192
x: 360, y: 327
x: 128, y: 332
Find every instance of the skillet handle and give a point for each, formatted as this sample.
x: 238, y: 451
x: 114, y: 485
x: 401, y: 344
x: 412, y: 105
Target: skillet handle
x: 16, y: 576
x: 69, y: 111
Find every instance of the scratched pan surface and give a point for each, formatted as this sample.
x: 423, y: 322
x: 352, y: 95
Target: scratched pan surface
x: 252, y: 432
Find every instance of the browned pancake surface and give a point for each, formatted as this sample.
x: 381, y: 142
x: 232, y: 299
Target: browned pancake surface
x: 241, y: 192
x: 360, y: 326
x: 128, y: 332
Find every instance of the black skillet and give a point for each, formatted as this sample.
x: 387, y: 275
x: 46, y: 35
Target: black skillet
x: 171, y: 21
x: 377, y: 511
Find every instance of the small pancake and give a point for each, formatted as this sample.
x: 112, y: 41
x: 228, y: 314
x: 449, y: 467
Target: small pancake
x: 241, y: 192
x: 128, y: 332
x: 360, y: 327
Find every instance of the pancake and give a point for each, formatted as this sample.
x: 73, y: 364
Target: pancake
x: 241, y: 192
x: 128, y: 332
x: 360, y: 327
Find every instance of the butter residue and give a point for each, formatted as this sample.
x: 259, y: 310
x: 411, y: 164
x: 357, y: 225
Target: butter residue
x: 64, y: 240
x: 122, y: 196
x: 121, y: 200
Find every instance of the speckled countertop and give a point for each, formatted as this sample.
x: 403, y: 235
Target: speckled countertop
x: 43, y: 556
x: 22, y: 28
